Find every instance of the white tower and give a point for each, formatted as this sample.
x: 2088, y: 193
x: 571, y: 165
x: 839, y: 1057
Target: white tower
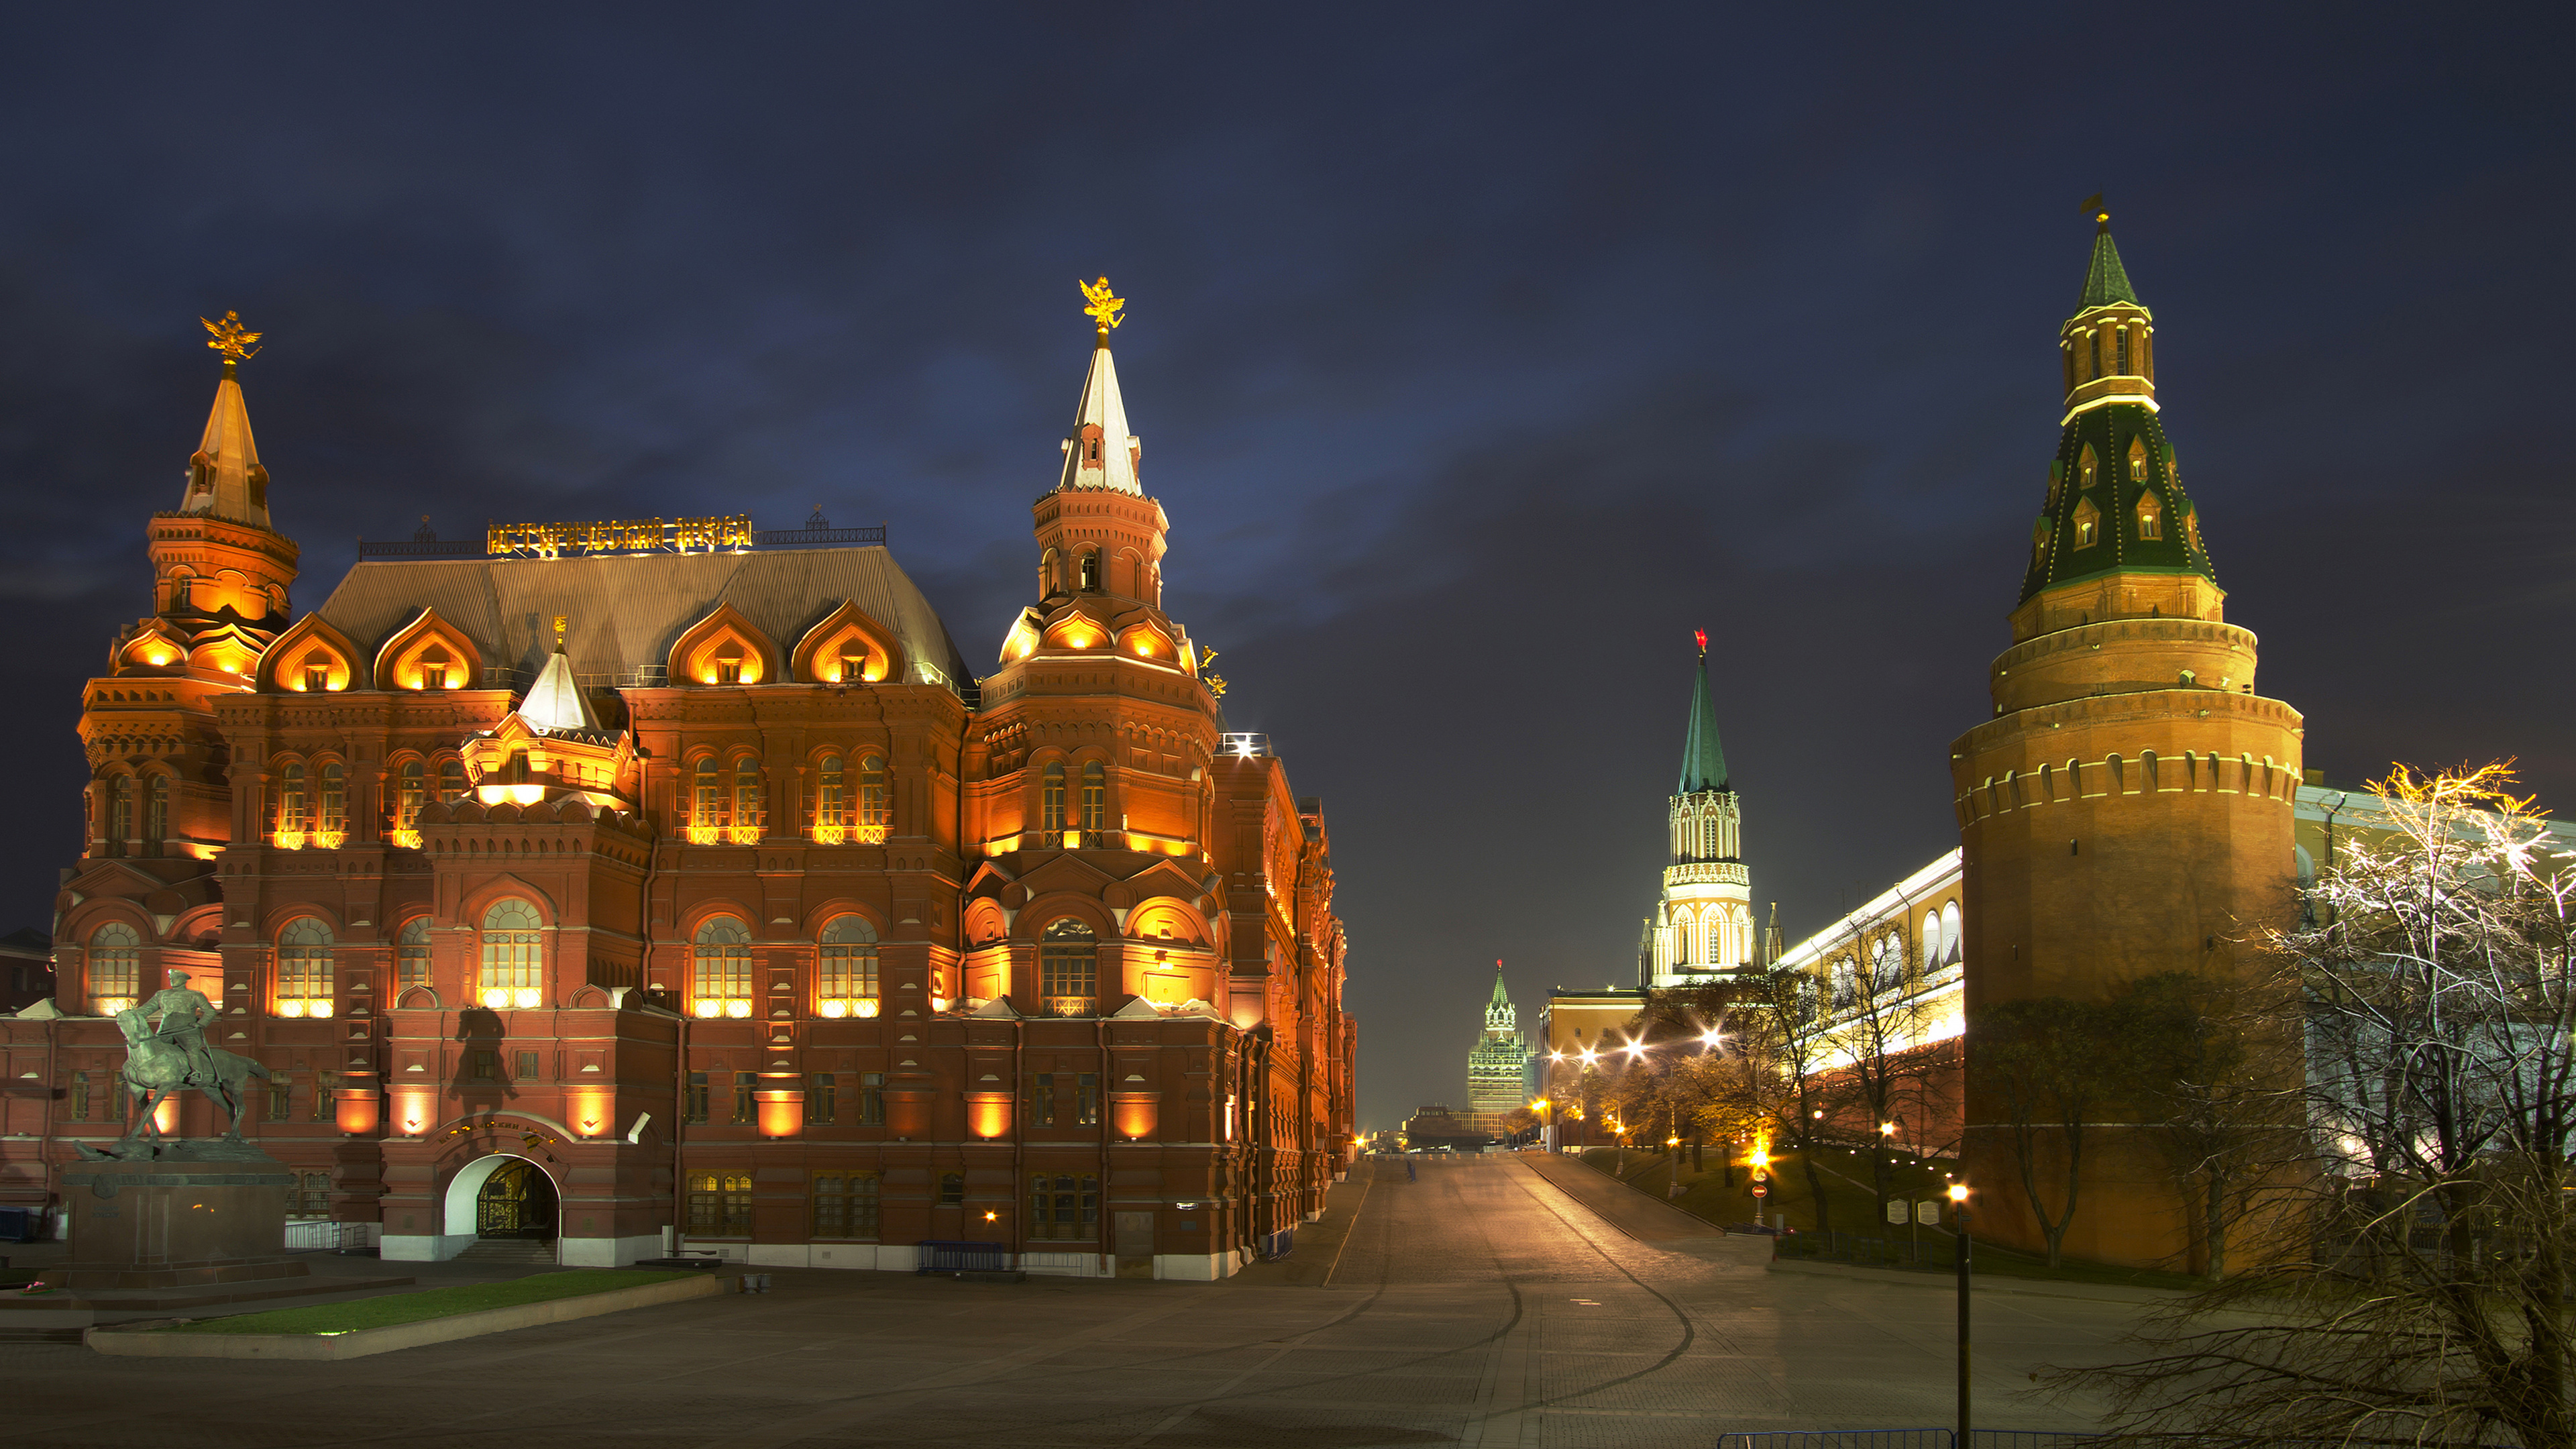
x: 1703, y: 927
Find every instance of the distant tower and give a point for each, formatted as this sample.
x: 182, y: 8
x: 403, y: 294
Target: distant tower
x: 1498, y: 1069
x: 2128, y: 808
x: 1703, y: 926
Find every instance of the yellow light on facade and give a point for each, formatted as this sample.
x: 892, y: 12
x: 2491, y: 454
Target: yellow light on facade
x: 111, y: 1005
x: 526, y: 997
x: 708, y: 1006
x: 937, y: 1003
x: 836, y: 1008
x: 318, y: 1006
x: 289, y: 839
x: 290, y: 1008
x: 737, y: 1008
x: 158, y: 657
x: 867, y: 1006
x: 406, y: 839
x: 495, y: 998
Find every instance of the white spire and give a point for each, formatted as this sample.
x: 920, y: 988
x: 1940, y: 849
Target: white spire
x: 555, y: 701
x: 225, y: 478
x: 1101, y: 453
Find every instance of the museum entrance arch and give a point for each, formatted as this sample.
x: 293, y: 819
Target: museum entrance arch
x: 502, y: 1196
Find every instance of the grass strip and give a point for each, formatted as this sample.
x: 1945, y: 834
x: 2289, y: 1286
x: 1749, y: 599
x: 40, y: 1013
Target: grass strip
x: 393, y: 1308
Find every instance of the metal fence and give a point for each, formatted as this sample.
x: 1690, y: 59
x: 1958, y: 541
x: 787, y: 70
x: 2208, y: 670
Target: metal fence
x: 1904, y: 1439
x: 952, y: 1257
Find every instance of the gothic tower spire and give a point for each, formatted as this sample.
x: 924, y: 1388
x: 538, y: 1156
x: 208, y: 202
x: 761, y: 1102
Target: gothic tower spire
x: 1704, y: 922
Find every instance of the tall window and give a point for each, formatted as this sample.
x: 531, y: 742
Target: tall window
x: 2088, y: 524
x: 822, y: 1097
x: 513, y: 956
x: 326, y: 1093
x: 281, y: 1097
x: 845, y: 1205
x: 80, y: 1097
x: 875, y: 812
x: 120, y: 813
x: 872, y: 1099
x: 2088, y: 467
x: 721, y: 981
x: 115, y: 967
x: 311, y: 1196
x: 2120, y: 353
x: 1095, y: 797
x: 849, y: 967
x: 411, y: 954
x: 451, y: 781
x: 1950, y: 934
x: 1064, y: 1205
x: 1068, y: 957
x: 710, y: 808
x: 831, y: 802
x: 293, y: 815
x: 720, y: 1204
x: 1051, y: 796
x: 408, y: 798
x: 334, y: 826
x: 2151, y: 519
x: 304, y: 968
x: 695, y: 1108
x: 156, y: 815
x: 746, y: 800
x: 2095, y: 337
x: 1932, y: 933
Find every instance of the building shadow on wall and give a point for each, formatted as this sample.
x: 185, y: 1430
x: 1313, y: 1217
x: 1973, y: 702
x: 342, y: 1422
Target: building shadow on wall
x: 482, y: 1081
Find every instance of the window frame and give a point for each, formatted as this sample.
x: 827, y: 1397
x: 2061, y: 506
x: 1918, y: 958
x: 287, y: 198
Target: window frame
x: 510, y: 964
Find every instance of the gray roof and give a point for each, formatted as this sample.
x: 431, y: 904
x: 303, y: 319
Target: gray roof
x: 627, y: 610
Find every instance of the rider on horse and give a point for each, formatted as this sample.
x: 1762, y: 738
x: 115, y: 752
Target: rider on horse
x: 184, y: 1013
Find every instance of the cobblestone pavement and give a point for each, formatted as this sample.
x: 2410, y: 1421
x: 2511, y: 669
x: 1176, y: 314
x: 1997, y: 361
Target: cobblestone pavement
x: 1479, y: 1305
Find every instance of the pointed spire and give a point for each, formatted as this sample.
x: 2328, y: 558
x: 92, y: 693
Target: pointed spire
x: 2105, y: 280
x: 555, y: 701
x: 1101, y: 453
x: 1501, y: 997
x: 225, y: 478
x: 1703, y: 760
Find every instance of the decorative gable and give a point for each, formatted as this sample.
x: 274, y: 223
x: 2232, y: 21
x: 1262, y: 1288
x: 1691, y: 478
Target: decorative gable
x: 429, y: 653
x: 848, y: 647
x: 724, y: 648
x: 311, y: 657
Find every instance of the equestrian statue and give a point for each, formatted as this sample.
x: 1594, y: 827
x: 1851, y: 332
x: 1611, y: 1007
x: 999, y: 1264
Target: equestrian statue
x: 174, y: 1058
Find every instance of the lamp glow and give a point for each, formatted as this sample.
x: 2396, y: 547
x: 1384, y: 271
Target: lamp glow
x: 495, y: 998
x: 290, y: 1008
x: 738, y: 1008
x: 709, y: 1007
x: 525, y: 997
x: 318, y: 1006
x: 836, y: 1008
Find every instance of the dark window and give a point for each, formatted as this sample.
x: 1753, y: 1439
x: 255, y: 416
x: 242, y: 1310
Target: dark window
x: 451, y: 781
x: 822, y: 1101
x: 743, y: 1108
x: 156, y: 813
x: 1095, y: 797
x: 326, y: 1090
x: 487, y: 1066
x: 952, y: 1189
x: 1087, y: 1099
x: 2120, y: 342
x: 871, y: 1099
x: 1065, y: 1205
x: 310, y: 1197
x: 1042, y: 1101
x: 527, y: 1066
x: 1068, y: 957
x: 845, y: 1204
x: 281, y: 1098
x: 1051, y: 797
x: 697, y: 1104
x: 80, y: 1096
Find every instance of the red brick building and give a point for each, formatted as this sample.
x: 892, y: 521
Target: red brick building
x: 605, y: 879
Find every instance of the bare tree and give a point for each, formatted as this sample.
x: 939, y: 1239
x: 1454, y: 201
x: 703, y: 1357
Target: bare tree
x: 2044, y: 1061
x: 2416, y: 1289
x: 1881, y: 1020
x: 2206, y: 1065
x: 1775, y: 1071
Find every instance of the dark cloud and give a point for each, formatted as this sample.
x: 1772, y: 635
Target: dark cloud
x: 1479, y: 355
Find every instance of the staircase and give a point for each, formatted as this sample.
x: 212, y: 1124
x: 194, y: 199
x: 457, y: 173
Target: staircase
x: 513, y: 1251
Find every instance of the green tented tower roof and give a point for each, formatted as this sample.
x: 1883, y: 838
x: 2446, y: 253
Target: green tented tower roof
x: 2106, y: 281
x: 1703, y: 760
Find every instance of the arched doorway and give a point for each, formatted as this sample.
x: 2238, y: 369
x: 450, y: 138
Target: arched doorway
x: 505, y: 1201
x: 516, y: 1201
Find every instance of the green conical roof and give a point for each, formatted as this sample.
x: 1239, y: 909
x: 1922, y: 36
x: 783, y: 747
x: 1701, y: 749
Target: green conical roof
x: 2130, y: 459
x: 2106, y: 281
x: 1500, y: 998
x: 1703, y: 760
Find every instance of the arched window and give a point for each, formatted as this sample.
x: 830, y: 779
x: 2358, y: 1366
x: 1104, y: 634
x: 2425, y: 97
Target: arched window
x: 293, y: 818
x: 2120, y: 350
x: 304, y: 968
x: 1932, y: 936
x: 831, y: 802
x: 411, y: 954
x: 1051, y: 797
x: 513, y: 956
x: 710, y: 807
x: 115, y: 967
x: 2094, y: 337
x: 747, y: 813
x: 407, y: 802
x: 2087, y: 468
x: 2137, y: 460
x: 2147, y: 770
x: 451, y: 781
x: 849, y: 967
x: 120, y: 813
x: 2088, y: 524
x: 1095, y: 797
x: 156, y: 815
x: 334, y: 825
x: 1950, y: 934
x: 2151, y: 518
x: 1091, y: 561
x: 875, y: 813
x: 1068, y: 968
x: 720, y: 978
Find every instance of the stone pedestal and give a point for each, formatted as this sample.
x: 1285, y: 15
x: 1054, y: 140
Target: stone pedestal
x: 198, y: 1215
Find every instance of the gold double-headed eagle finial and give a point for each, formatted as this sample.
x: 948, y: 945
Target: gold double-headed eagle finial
x: 560, y: 621
x: 232, y: 339
x: 1104, y: 307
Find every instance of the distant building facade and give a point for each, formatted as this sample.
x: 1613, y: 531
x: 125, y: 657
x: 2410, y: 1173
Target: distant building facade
x: 574, y: 886
x: 1498, y: 1066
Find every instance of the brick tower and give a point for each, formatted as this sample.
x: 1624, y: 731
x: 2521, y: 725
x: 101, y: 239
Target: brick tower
x: 2128, y: 809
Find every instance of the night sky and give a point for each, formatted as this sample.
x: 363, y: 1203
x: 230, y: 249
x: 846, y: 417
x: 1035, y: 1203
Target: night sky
x: 1480, y: 353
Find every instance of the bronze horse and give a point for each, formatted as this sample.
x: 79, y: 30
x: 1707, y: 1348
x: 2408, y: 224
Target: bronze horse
x: 155, y: 1068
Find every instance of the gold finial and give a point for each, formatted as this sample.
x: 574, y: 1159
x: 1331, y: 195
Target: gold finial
x: 232, y: 340
x: 560, y: 621
x: 1104, y: 308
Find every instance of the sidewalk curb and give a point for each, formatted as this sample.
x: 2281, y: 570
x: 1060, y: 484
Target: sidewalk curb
x: 360, y: 1343
x: 1897, y: 1278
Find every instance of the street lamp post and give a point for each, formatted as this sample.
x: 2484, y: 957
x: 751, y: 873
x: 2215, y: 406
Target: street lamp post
x: 1959, y: 1225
